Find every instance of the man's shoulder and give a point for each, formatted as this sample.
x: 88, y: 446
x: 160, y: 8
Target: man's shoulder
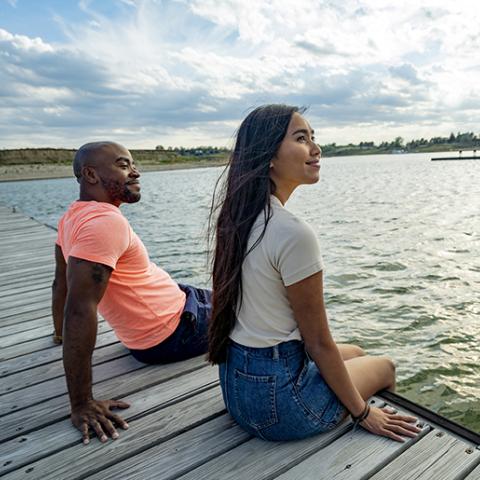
x: 95, y: 215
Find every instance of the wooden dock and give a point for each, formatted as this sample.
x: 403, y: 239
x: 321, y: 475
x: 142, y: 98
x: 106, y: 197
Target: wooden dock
x: 466, y: 157
x: 178, y: 424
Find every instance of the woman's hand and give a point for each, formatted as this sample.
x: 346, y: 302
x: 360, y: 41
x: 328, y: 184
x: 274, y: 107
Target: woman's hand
x: 386, y: 422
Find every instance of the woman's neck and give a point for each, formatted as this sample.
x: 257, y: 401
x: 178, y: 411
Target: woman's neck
x: 283, y: 192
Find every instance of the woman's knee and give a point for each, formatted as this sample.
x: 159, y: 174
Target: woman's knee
x: 359, y: 351
x: 390, y: 371
x: 349, y: 351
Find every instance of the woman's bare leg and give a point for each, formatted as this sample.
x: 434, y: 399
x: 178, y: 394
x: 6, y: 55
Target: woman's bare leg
x: 349, y: 351
x: 371, y: 374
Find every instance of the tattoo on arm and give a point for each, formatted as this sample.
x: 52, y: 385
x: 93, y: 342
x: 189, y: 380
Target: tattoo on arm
x: 98, y: 273
x: 99, y: 270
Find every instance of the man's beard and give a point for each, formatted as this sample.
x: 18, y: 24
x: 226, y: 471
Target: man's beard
x: 120, y: 191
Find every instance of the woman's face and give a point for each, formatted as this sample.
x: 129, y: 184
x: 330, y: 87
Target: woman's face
x: 297, y: 161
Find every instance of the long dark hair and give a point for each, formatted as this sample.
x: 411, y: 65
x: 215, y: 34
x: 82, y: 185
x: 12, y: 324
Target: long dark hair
x: 242, y: 196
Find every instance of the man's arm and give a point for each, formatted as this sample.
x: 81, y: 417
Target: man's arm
x: 87, y: 282
x: 59, y: 292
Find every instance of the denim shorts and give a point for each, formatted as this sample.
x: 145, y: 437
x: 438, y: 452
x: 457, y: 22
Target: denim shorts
x: 277, y: 393
x: 190, y: 337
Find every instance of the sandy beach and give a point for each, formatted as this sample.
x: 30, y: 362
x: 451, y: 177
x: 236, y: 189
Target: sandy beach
x: 10, y: 173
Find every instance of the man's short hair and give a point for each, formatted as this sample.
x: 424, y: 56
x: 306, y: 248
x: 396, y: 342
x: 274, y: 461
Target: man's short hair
x: 87, y: 153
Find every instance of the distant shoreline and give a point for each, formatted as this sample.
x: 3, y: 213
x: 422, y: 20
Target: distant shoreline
x: 26, y: 172
x: 50, y: 170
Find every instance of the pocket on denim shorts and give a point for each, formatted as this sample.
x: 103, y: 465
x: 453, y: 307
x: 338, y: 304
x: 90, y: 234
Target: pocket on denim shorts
x: 255, y: 399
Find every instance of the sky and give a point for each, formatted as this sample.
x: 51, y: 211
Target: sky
x: 186, y: 72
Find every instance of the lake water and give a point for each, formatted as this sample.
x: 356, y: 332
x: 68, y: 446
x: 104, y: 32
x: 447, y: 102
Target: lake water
x: 400, y: 237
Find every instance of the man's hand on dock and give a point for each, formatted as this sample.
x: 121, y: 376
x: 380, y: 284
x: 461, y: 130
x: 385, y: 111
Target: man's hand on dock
x: 97, y: 414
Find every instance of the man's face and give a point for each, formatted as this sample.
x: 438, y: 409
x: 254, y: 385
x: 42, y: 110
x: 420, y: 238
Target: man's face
x: 118, y: 175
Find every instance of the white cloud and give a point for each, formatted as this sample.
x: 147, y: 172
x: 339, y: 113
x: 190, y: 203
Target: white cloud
x: 184, y: 72
x: 22, y: 42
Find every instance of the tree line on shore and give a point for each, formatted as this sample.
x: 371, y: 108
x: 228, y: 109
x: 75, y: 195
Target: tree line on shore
x: 162, y: 155
x: 460, y: 141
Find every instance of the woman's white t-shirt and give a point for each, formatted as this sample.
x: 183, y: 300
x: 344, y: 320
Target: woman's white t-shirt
x: 288, y: 252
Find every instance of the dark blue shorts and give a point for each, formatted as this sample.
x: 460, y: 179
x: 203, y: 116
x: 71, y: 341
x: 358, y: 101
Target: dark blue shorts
x: 191, y: 336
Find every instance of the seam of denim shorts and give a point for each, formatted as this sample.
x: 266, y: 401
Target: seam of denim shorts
x: 269, y: 379
x: 300, y: 401
x: 225, y: 386
x: 302, y: 374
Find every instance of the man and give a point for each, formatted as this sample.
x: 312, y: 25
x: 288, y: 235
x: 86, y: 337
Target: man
x: 102, y: 264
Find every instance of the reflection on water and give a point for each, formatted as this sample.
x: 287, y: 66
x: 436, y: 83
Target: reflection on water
x: 400, y: 238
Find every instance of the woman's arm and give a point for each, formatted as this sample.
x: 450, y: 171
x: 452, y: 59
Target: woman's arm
x: 306, y: 299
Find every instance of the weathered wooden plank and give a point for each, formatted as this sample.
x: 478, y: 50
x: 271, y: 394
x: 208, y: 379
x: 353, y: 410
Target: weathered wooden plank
x: 35, y: 287
x: 39, y: 286
x: 14, y: 217
x: 15, y: 267
x: 12, y: 401
x: 34, y: 345
x: 34, y: 359
x: 26, y: 261
x: 28, y: 233
x: 179, y: 455
x: 32, y: 237
x: 17, y: 252
x: 27, y: 335
x: 474, y: 475
x: 55, y: 409
x: 27, y: 271
x: 26, y: 281
x: 5, y: 278
x: 16, y: 214
x: 18, y: 226
x: 30, y: 296
x: 26, y: 317
x: 30, y: 307
x: 6, y: 223
x: 18, y: 218
x: 22, y: 327
x: 25, y: 326
x: 55, y: 369
x: 26, y: 243
x: 437, y: 455
x: 257, y: 459
x: 52, y: 438
x: 352, y: 457
x: 22, y: 248
x: 25, y: 277
x: 159, y: 426
x: 9, y: 217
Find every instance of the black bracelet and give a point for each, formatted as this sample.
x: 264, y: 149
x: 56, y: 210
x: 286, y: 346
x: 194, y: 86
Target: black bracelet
x: 363, y: 415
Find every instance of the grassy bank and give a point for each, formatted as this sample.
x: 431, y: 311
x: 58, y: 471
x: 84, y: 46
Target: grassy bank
x: 38, y: 163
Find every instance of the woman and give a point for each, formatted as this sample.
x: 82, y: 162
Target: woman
x: 282, y: 375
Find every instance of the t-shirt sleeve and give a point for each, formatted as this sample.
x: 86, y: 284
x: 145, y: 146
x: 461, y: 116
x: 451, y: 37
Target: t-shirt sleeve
x: 102, y: 239
x: 298, y: 253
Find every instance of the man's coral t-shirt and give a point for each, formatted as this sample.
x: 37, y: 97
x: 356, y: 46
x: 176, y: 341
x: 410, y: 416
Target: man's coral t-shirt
x: 141, y: 303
